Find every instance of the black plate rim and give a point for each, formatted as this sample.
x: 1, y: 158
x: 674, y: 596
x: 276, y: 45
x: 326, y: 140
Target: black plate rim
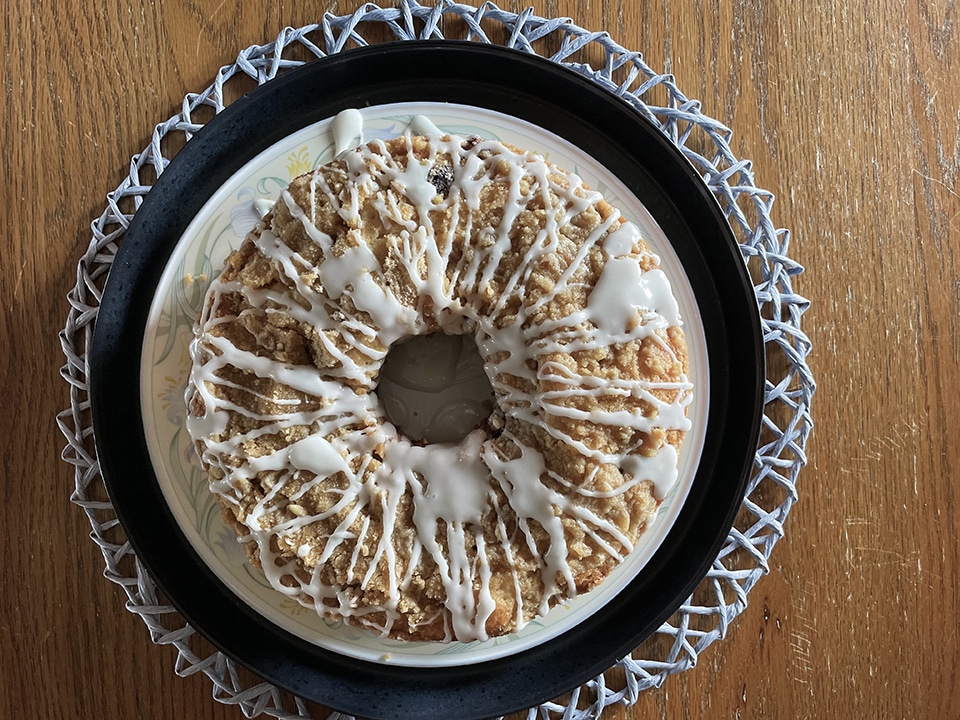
x: 567, y: 104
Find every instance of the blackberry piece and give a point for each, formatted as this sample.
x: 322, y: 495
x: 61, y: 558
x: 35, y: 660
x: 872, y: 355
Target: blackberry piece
x: 441, y: 177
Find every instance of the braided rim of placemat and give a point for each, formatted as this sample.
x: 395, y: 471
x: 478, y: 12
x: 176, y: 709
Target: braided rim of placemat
x: 722, y: 595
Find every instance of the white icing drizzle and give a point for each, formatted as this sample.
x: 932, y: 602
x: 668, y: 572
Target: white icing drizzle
x: 262, y: 206
x: 422, y: 125
x: 453, y: 486
x: 347, y: 129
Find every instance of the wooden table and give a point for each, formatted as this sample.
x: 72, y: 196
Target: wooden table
x: 849, y: 111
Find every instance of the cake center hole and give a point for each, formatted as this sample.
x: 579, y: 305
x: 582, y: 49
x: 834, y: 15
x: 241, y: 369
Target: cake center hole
x: 433, y: 388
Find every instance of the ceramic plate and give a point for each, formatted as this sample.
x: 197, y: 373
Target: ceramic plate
x: 218, y: 229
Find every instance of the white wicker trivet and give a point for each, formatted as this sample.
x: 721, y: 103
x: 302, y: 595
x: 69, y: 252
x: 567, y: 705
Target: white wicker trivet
x: 743, y: 559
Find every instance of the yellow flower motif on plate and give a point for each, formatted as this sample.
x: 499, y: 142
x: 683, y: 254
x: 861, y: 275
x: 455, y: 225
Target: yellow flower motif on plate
x: 298, y: 162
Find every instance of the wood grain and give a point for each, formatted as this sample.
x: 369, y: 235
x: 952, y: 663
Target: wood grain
x: 849, y: 111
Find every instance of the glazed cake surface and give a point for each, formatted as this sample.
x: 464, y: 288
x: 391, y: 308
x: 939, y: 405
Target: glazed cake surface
x: 582, y: 342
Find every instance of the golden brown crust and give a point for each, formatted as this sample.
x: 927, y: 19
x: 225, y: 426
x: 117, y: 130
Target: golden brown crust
x: 603, y: 489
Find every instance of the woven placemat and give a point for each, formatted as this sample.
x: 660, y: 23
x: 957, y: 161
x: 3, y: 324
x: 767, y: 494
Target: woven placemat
x: 722, y: 596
